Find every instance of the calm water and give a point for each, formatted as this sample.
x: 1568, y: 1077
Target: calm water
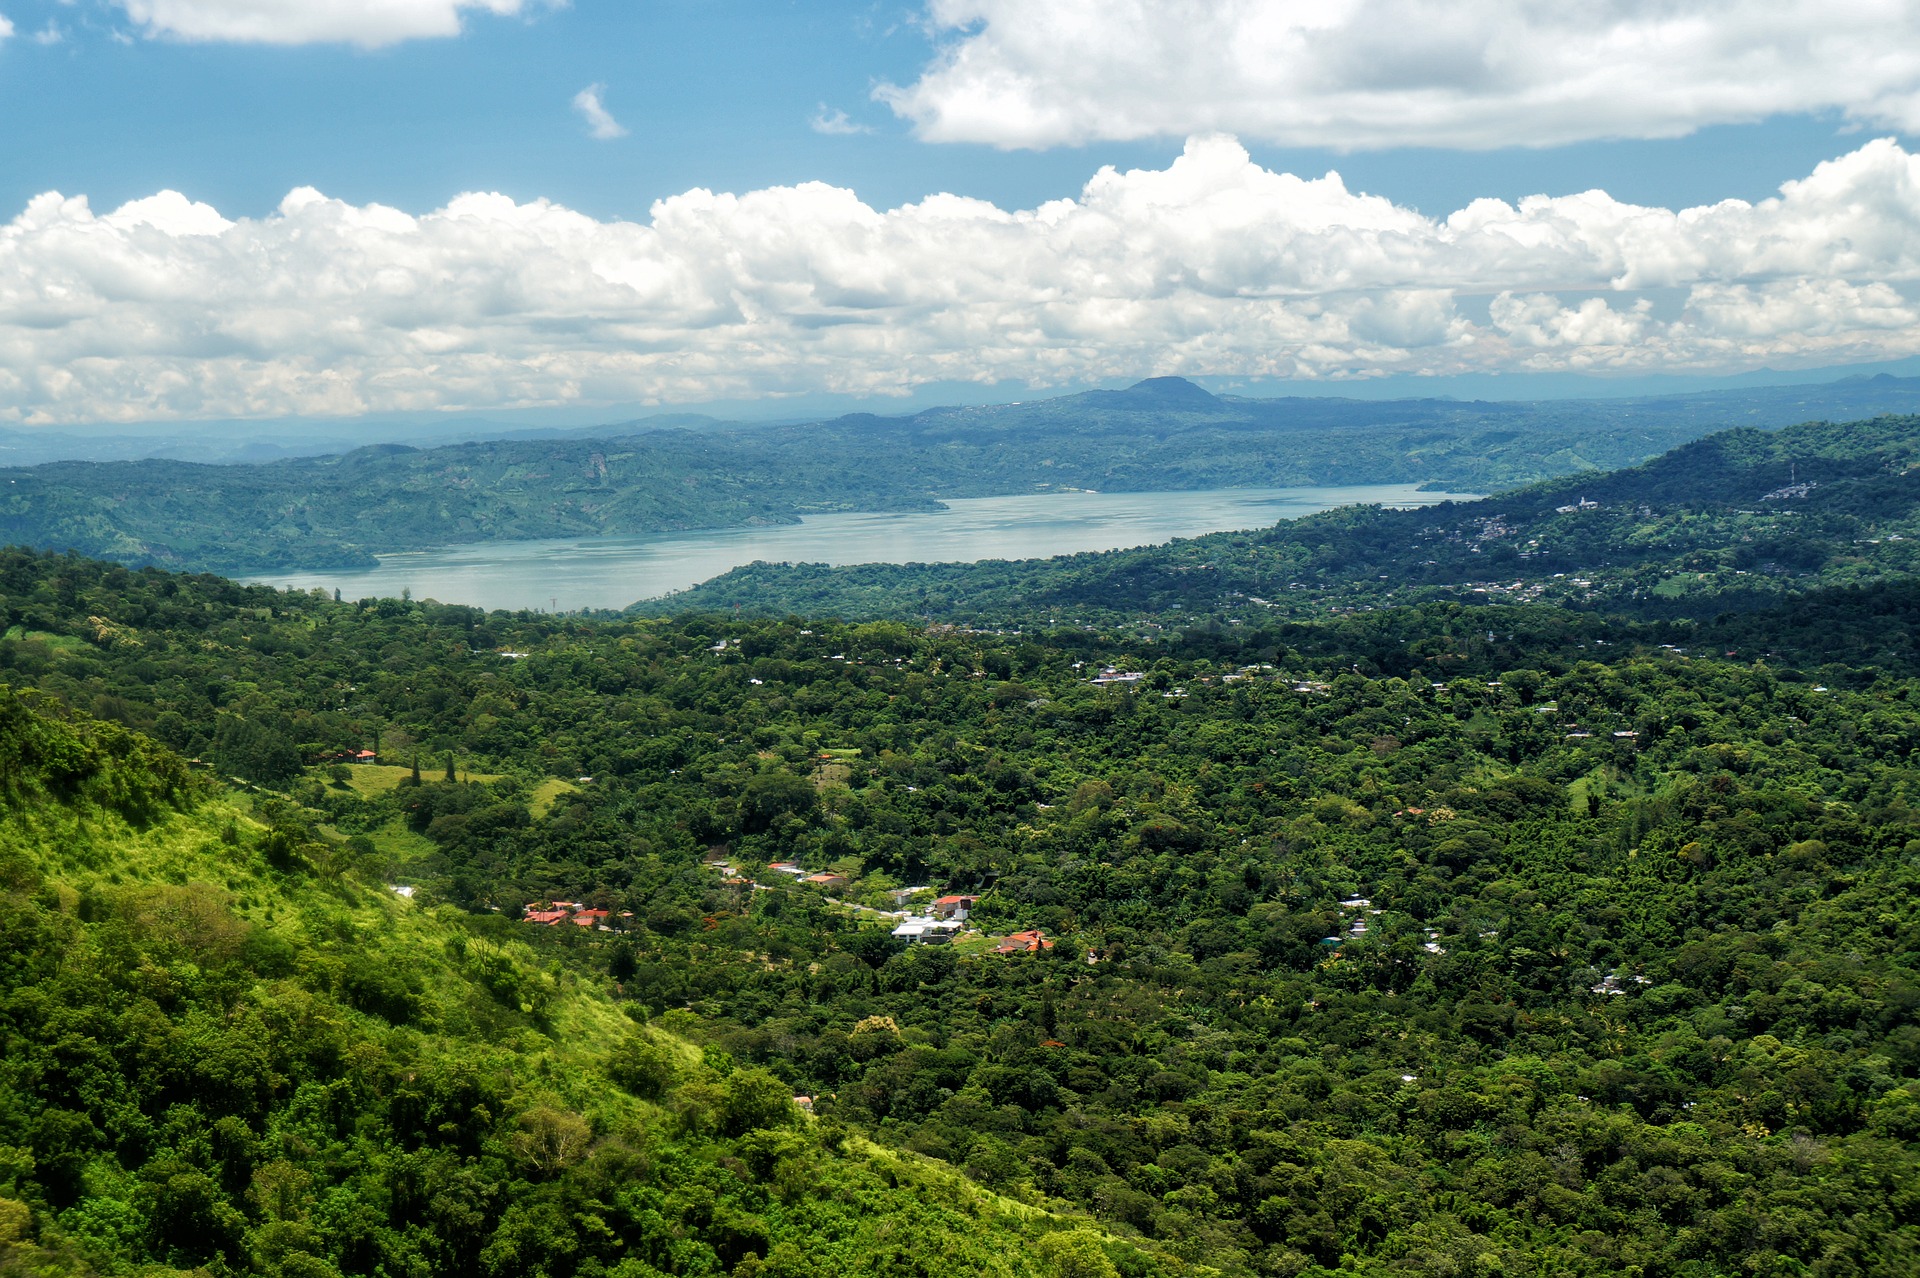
x: 612, y: 572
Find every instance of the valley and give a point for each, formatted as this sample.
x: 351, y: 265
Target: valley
x: 1304, y: 940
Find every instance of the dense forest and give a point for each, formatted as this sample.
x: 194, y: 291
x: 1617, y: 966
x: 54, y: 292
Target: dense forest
x: 1166, y: 433
x: 225, y: 1049
x: 1435, y: 938
x: 1739, y: 520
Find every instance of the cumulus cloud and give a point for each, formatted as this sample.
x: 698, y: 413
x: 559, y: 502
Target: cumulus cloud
x: 1213, y: 265
x: 600, y: 121
x: 6, y: 27
x: 1356, y: 74
x: 370, y: 23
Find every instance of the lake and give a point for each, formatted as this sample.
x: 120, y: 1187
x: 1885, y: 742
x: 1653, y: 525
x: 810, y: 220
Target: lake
x: 612, y: 572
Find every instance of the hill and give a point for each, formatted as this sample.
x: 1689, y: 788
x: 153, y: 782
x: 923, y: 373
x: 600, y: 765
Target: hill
x: 1462, y: 939
x: 340, y: 511
x: 226, y: 1052
x: 1736, y: 520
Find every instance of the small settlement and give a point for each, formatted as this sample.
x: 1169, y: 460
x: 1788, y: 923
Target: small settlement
x: 554, y: 913
x: 944, y: 919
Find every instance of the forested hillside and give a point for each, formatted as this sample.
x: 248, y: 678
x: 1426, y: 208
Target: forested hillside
x: 339, y: 511
x: 1738, y: 520
x: 225, y: 1048
x: 1441, y: 939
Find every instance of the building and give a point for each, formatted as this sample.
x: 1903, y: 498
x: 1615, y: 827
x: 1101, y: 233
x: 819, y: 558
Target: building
x: 826, y: 880
x: 926, y: 931
x: 954, y: 907
x: 1024, y: 943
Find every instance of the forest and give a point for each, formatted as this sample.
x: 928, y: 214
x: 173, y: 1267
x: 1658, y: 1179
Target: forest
x: 1442, y: 936
x: 339, y: 511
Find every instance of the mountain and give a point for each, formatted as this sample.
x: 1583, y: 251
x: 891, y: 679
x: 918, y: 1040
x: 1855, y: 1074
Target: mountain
x: 339, y: 511
x: 1732, y: 521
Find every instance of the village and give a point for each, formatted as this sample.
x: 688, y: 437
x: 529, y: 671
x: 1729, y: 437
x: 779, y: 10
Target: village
x: 943, y: 919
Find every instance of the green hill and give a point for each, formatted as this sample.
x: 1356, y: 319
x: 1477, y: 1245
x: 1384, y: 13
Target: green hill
x: 1737, y: 520
x: 222, y: 1051
x: 1440, y: 938
x: 1166, y: 433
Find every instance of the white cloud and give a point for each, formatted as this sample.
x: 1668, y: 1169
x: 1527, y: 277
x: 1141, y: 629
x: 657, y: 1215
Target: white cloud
x: 835, y: 122
x: 370, y: 23
x: 6, y: 27
x: 600, y: 121
x: 1213, y: 265
x: 1356, y: 74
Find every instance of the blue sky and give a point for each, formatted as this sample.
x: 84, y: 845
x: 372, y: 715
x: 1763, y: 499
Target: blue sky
x: 713, y: 93
x: 235, y: 103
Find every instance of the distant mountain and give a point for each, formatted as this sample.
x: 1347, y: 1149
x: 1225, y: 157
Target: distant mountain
x: 645, y: 477
x: 1731, y: 522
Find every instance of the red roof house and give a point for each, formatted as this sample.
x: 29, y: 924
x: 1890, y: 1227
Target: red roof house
x: 1024, y: 943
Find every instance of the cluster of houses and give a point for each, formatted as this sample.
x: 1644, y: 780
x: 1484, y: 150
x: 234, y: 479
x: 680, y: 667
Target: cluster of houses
x: 943, y: 918
x: 1359, y: 909
x: 354, y: 756
x: 554, y: 913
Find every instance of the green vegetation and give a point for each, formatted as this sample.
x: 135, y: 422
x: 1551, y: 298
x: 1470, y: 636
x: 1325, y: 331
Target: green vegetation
x: 337, y: 512
x: 224, y: 1051
x: 1735, y: 521
x: 1419, y: 937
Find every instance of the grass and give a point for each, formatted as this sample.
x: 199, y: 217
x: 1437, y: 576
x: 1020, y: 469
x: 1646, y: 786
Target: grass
x: 370, y: 779
x: 548, y: 793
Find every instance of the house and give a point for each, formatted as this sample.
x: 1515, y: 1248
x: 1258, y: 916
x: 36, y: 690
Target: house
x: 590, y: 918
x: 926, y: 931
x: 365, y: 756
x: 953, y: 907
x: 826, y: 880
x: 1024, y: 943
x: 805, y: 1103
x: 546, y: 918
x: 787, y: 867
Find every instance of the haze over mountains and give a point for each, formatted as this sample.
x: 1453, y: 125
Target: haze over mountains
x: 675, y: 473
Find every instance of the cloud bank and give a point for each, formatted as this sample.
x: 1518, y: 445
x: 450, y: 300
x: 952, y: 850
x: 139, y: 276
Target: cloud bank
x: 1214, y: 265
x: 1357, y: 74
x: 370, y: 23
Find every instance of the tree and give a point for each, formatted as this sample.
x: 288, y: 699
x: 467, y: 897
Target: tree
x: 756, y: 1098
x: 1075, y: 1253
x: 252, y: 750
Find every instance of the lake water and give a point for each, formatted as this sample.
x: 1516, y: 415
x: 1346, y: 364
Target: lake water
x: 612, y: 572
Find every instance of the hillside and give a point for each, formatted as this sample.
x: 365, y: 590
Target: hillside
x: 1732, y: 521
x: 339, y: 511
x: 1507, y: 939
x: 222, y: 1050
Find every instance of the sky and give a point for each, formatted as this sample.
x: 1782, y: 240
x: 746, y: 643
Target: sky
x: 274, y: 209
